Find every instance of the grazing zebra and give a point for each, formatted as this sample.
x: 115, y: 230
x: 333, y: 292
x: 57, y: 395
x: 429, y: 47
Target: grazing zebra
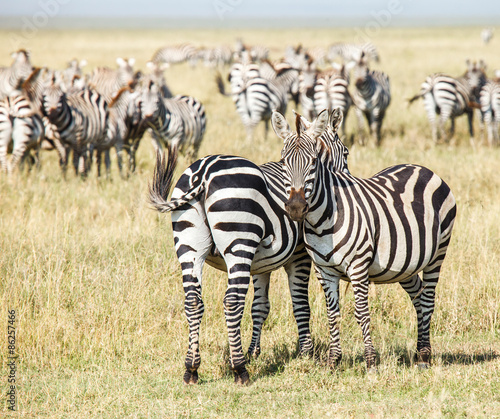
x: 179, y: 122
x: 384, y: 229
x: 230, y: 212
x: 254, y: 96
x: 450, y: 97
x: 371, y: 96
x: 490, y: 109
x: 217, y: 56
x: 12, y: 77
x: 486, y: 35
x: 79, y: 119
x: 108, y: 82
x: 176, y: 54
x: 352, y: 52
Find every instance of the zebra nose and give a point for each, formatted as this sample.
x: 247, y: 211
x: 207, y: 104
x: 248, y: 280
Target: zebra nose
x: 296, y: 206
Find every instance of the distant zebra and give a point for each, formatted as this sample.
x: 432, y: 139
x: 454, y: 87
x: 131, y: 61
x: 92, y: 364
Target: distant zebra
x: 108, y: 82
x: 353, y: 52
x: 285, y: 74
x: 216, y: 56
x: 79, y: 120
x: 73, y: 78
x: 176, y: 54
x: 254, y: 96
x: 179, y: 122
x: 230, y: 212
x: 257, y: 53
x: 487, y: 35
x: 384, y: 229
x: 450, y: 97
x: 490, y: 109
x: 372, y: 96
x: 21, y: 126
x: 12, y: 77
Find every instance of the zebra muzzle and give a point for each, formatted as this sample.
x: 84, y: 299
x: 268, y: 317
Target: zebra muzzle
x: 296, y: 206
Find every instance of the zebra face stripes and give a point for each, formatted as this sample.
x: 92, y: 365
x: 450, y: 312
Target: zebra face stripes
x: 384, y: 229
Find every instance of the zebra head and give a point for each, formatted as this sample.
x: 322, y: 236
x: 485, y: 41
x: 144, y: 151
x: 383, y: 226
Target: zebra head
x: 21, y: 65
x: 476, y: 77
x: 53, y: 99
x: 361, y: 70
x: 149, y: 102
x: 299, y: 157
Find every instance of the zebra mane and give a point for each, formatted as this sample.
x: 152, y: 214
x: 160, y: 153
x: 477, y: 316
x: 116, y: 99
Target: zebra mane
x: 298, y: 124
x: 117, y: 97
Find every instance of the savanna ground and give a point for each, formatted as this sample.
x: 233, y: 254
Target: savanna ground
x: 92, y: 275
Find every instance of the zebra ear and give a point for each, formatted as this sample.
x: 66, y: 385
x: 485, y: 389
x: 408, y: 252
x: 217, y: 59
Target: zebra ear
x: 280, y: 125
x: 319, y: 125
x: 83, y: 63
x: 336, y: 118
x: 121, y: 62
x: 131, y: 62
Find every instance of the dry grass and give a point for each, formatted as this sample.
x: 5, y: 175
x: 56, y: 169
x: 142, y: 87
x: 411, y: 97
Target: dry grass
x: 91, y: 270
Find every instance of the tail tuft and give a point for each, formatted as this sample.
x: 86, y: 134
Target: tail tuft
x: 163, y: 175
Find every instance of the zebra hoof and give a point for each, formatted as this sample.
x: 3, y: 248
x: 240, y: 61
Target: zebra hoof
x: 190, y: 377
x: 423, y: 365
x: 241, y: 376
x: 253, y: 353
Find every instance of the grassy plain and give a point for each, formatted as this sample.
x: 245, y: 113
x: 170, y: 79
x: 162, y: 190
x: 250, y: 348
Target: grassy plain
x: 92, y: 275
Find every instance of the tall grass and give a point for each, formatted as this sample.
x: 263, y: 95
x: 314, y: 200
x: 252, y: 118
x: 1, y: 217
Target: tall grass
x: 93, y: 276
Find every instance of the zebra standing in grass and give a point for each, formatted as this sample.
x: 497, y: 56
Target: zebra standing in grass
x: 490, y: 109
x: 230, y: 212
x: 372, y: 96
x: 12, y: 77
x: 176, y: 54
x: 352, y: 52
x: 450, y: 97
x: 283, y: 72
x: 384, y: 229
x: 179, y: 122
x: 21, y: 125
x: 487, y: 35
x: 254, y: 96
x: 108, y: 82
x: 79, y: 120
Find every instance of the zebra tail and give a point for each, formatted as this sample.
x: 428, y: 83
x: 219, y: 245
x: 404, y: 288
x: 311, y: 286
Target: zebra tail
x: 414, y: 98
x: 474, y: 105
x: 220, y: 85
x: 163, y: 175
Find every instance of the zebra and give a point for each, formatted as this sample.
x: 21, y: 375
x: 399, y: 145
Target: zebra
x: 157, y: 75
x: 254, y: 96
x: 257, y: 53
x: 490, y: 109
x: 352, y: 52
x: 372, y: 96
x: 12, y: 77
x: 230, y: 213
x: 217, y: 56
x: 450, y: 97
x: 72, y: 77
x: 487, y: 35
x: 176, y: 54
x: 108, y: 82
x: 179, y: 122
x: 79, y: 120
x: 383, y: 229
x: 21, y: 125
x: 285, y: 73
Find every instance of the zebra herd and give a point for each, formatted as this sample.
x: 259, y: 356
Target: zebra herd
x: 88, y: 115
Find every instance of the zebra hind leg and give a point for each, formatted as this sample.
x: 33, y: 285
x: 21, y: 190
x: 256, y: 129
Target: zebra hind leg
x: 260, y: 311
x: 234, y: 304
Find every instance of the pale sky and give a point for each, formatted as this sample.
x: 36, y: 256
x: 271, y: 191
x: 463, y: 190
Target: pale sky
x: 253, y: 8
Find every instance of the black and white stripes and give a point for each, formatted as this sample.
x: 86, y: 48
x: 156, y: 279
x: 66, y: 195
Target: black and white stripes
x: 384, y: 229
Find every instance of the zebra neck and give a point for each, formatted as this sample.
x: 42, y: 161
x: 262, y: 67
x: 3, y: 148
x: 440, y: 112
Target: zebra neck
x: 323, y: 208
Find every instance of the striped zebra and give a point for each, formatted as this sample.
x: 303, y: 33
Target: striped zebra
x: 353, y: 52
x: 156, y: 73
x: 12, y: 77
x: 257, y: 53
x: 72, y: 77
x: 450, y: 97
x: 384, y: 229
x: 179, y: 122
x: 230, y: 213
x: 21, y: 126
x: 108, y: 82
x: 372, y: 96
x: 215, y: 57
x: 325, y: 90
x: 176, y: 54
x: 254, y: 96
x: 490, y: 109
x: 79, y: 121
x: 285, y: 74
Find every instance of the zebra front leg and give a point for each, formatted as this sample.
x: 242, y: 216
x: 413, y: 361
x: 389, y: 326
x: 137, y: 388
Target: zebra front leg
x: 360, y: 285
x: 260, y: 311
x: 234, y: 304
x: 331, y: 289
x: 299, y: 271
